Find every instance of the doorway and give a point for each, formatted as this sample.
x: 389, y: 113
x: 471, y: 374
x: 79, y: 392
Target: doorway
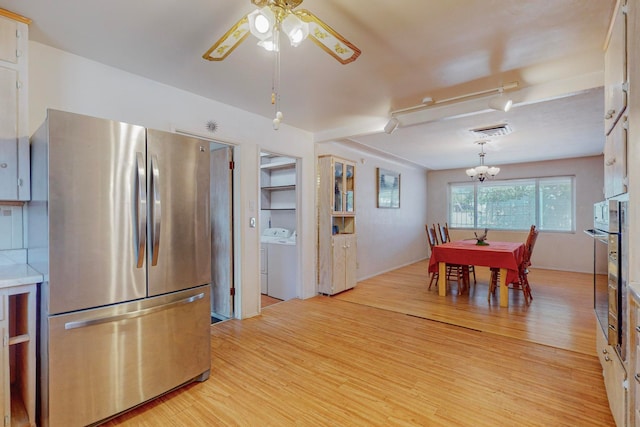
x: 279, y: 270
x: 222, y: 251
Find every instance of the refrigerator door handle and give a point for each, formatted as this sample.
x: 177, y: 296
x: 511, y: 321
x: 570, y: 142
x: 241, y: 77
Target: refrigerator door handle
x: 132, y: 314
x: 156, y: 207
x: 141, y: 208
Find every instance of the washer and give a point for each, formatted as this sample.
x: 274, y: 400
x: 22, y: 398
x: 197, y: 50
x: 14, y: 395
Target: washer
x: 279, y: 272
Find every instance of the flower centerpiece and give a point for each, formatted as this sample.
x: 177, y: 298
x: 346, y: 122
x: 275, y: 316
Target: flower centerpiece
x: 481, y: 238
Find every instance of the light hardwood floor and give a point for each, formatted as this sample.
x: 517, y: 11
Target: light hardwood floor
x: 266, y: 300
x: 372, y: 357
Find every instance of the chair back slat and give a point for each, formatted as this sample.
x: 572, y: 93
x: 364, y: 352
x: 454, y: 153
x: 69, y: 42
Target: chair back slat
x: 431, y: 236
x: 435, y: 233
x: 444, y: 233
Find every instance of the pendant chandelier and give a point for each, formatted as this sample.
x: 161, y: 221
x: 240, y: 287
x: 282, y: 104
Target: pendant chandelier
x: 482, y: 172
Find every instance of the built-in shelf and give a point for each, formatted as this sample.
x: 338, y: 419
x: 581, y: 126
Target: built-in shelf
x: 17, y: 358
x: 279, y: 188
x: 279, y: 164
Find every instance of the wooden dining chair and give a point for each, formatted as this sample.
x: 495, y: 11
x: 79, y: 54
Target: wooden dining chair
x: 433, y: 241
x: 444, y: 238
x: 455, y: 272
x: 522, y: 281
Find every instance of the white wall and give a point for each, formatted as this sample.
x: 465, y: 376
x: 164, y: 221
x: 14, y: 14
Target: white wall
x: 60, y: 80
x: 557, y: 251
x: 387, y: 238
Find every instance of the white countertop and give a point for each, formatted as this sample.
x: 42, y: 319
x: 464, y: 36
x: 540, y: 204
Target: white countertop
x: 18, y: 274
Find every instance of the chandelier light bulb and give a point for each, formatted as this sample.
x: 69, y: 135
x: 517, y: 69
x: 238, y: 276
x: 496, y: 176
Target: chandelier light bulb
x: 268, y: 45
x: 279, y: 115
x: 261, y: 23
x: 296, y: 29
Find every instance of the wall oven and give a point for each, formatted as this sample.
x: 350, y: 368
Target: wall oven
x: 610, y: 249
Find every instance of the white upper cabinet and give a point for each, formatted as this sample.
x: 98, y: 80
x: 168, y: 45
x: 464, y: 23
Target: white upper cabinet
x: 615, y: 70
x: 615, y: 91
x: 14, y: 140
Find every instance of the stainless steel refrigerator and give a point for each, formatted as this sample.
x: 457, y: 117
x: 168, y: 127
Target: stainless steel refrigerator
x: 119, y: 226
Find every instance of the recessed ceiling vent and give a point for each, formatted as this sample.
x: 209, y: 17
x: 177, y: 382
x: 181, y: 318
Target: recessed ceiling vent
x: 491, y: 131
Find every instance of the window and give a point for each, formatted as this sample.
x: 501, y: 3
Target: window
x: 513, y: 204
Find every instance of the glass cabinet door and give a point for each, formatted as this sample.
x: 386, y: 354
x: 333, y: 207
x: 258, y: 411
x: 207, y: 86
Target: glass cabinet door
x: 338, y: 186
x: 349, y: 181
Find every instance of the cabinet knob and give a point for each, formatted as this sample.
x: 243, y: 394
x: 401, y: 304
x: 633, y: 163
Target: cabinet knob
x: 610, y: 162
x: 607, y: 359
x: 638, y: 328
x: 637, y: 377
x: 610, y: 114
x: 3, y: 165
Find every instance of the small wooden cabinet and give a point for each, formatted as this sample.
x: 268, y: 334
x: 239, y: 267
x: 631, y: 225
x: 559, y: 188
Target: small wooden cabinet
x: 615, y: 378
x: 343, y: 255
x: 14, y: 138
x: 17, y: 358
x: 337, y: 248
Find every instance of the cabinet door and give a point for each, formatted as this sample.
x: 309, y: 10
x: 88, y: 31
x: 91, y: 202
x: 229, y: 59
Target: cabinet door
x: 8, y: 40
x: 614, y: 377
x: 615, y: 160
x: 615, y: 70
x: 338, y: 185
x: 634, y: 382
x: 349, y: 185
x: 5, y: 383
x: 8, y: 134
x: 339, y: 264
x: 350, y: 261
x: 14, y: 140
x: 344, y: 187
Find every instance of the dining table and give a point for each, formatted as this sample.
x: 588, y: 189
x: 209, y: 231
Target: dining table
x: 507, y: 256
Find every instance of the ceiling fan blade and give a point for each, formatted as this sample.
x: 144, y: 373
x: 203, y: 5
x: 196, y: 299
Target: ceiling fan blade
x: 328, y: 39
x: 223, y: 47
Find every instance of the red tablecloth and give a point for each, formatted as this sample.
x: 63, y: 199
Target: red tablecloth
x: 465, y: 252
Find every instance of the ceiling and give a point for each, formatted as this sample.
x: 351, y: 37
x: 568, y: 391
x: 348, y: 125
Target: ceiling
x: 411, y: 49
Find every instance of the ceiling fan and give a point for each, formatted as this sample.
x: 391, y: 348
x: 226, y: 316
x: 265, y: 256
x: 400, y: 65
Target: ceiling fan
x: 275, y: 16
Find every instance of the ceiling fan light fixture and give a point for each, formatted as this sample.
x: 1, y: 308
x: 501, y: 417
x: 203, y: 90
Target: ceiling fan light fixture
x: 261, y: 23
x: 268, y: 45
x: 296, y: 29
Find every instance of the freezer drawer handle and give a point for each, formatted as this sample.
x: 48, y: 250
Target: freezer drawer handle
x: 132, y: 314
x: 141, y: 209
x: 156, y: 209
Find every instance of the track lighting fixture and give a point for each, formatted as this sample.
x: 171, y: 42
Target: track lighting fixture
x: 501, y: 102
x: 391, y: 125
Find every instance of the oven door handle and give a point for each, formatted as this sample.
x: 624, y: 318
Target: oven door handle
x: 597, y: 234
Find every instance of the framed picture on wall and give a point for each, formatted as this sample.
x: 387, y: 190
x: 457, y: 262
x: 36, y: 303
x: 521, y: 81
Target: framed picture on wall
x: 388, y: 186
